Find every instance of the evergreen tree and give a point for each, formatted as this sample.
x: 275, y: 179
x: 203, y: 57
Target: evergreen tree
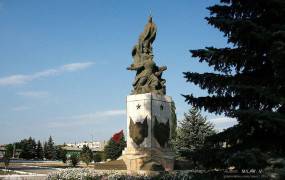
x: 86, y: 155
x: 61, y: 153
x: 193, y: 130
x: 32, y: 146
x: 39, y: 151
x: 114, y: 150
x: 28, y: 147
x: 249, y: 83
x: 192, y: 133
x: 45, y: 151
x: 50, y: 149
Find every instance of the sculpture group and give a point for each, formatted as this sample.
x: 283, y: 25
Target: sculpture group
x: 151, y: 114
x: 148, y: 77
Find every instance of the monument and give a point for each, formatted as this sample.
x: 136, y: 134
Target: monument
x: 150, y: 113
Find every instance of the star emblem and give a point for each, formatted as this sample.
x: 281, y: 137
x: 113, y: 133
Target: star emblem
x: 138, y: 106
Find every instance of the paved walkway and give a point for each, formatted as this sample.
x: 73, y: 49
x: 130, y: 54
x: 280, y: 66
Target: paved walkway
x: 24, y: 177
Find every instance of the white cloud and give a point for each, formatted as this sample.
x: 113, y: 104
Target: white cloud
x: 34, y: 94
x: 84, y: 119
x: 17, y: 79
x: 20, y: 108
x: 76, y: 66
x: 222, y: 123
x: 221, y: 120
x: 112, y: 113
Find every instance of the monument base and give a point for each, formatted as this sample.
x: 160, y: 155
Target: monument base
x: 150, y: 122
x: 148, y: 160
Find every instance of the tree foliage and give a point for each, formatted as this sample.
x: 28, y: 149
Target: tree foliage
x: 9, y: 150
x: 45, y: 149
x: 8, y: 154
x: 74, y: 159
x: 192, y: 133
x: 28, y: 147
x: 86, y: 155
x: 61, y: 153
x: 249, y: 79
x: 114, y: 150
x: 50, y: 151
x: 39, y: 150
x: 97, y: 157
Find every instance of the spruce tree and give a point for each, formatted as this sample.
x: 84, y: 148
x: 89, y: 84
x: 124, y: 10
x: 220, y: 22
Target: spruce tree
x: 50, y: 149
x: 28, y: 147
x: 32, y: 146
x: 193, y: 130
x: 192, y: 133
x: 249, y: 79
x: 39, y: 151
x: 45, y: 150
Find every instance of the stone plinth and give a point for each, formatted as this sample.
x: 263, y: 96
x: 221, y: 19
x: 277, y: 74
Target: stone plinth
x: 150, y: 125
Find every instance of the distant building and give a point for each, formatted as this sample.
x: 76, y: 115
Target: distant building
x: 95, y: 146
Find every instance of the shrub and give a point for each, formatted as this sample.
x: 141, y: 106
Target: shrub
x: 87, y: 173
x: 74, y: 159
x: 97, y: 157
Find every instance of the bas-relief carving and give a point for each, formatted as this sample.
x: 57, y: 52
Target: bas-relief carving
x: 138, y: 131
x: 161, y: 132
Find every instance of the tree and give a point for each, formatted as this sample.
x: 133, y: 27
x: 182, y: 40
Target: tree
x: 45, y: 150
x: 50, y: 149
x: 61, y: 153
x: 9, y: 150
x: 74, y: 159
x: 86, y: 155
x: 97, y: 157
x: 249, y: 79
x: 8, y: 155
x: 39, y: 151
x: 114, y: 150
x: 6, y: 159
x: 192, y: 133
x: 28, y: 147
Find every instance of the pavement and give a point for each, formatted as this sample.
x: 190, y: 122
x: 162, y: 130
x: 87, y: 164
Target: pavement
x: 24, y: 177
x: 29, y: 170
x: 38, y: 170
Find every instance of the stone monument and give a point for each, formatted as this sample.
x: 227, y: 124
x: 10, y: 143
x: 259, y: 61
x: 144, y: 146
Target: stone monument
x: 150, y: 113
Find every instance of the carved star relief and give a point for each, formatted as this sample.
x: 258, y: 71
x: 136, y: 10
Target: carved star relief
x: 138, y: 106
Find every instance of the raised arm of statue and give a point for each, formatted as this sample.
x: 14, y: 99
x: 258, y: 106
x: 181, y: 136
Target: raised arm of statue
x: 136, y: 67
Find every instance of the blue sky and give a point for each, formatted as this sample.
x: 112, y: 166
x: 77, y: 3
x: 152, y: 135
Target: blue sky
x: 63, y: 63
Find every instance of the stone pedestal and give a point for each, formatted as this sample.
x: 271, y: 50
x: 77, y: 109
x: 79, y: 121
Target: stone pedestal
x: 150, y: 122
